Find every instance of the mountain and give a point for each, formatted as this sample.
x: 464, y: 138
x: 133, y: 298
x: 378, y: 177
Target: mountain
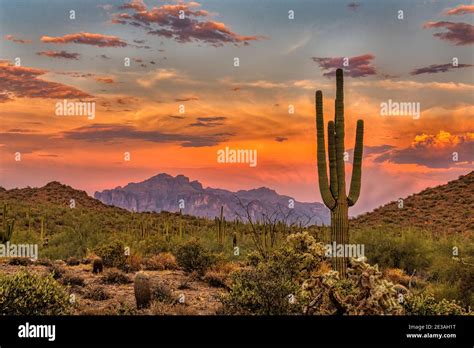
x: 446, y: 208
x: 164, y: 193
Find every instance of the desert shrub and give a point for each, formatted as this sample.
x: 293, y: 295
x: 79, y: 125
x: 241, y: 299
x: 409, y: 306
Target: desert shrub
x: 56, y: 271
x: 133, y: 263
x: 295, y: 279
x: 408, y: 249
x: 192, y: 257
x: 19, y: 261
x: 72, y: 279
x: 44, y: 262
x: 162, y: 261
x: 114, y: 276
x: 273, y: 286
x: 220, y: 275
x: 154, y: 245
x: 25, y: 293
x: 426, y: 304
x: 72, y: 261
x: 96, y: 293
x: 162, y: 292
x: 112, y: 254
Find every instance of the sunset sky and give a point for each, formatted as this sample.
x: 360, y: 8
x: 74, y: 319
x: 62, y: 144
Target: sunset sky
x: 190, y: 62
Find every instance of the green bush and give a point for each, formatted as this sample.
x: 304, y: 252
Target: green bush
x: 407, y: 249
x: 112, y: 254
x: 426, y: 304
x: 273, y: 286
x: 25, y: 293
x: 192, y: 257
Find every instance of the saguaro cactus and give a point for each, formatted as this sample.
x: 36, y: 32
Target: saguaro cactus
x: 334, y: 194
x: 8, y: 226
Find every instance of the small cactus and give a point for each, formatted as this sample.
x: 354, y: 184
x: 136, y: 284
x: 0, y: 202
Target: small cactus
x: 220, y: 223
x: 97, y: 265
x: 8, y: 226
x: 142, y: 290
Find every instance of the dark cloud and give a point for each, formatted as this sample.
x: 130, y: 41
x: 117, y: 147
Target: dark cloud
x: 437, y: 68
x: 24, y: 82
x: 165, y: 21
x: 118, y: 132
x: 84, y: 38
x: 209, y: 121
x: 460, y: 34
x: 281, y: 139
x: 353, y: 6
x: 59, y: 54
x: 359, y: 66
x: 433, y: 151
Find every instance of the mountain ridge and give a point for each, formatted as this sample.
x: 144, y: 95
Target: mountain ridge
x: 163, y: 192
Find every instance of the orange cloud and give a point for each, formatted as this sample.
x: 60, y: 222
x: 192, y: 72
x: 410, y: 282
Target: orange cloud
x: 460, y: 10
x: 17, y: 40
x: 84, y: 38
x: 104, y: 79
x: 24, y: 82
x: 168, y: 24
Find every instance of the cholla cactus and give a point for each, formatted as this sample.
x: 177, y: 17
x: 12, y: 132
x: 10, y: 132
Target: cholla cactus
x: 334, y: 194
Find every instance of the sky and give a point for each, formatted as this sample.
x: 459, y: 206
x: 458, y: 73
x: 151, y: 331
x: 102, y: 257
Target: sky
x: 182, y: 99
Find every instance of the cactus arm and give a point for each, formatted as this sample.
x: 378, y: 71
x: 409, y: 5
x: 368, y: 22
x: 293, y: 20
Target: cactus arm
x: 332, y: 159
x: 326, y: 195
x: 341, y: 177
x: 357, y: 165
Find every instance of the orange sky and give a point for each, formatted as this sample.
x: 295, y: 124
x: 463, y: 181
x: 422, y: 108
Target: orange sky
x: 138, y: 107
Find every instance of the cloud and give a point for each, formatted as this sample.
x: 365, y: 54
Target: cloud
x: 165, y: 21
x: 353, y: 6
x: 119, y: 132
x: 59, y: 54
x: 105, y: 79
x: 281, y: 139
x: 433, y: 151
x: 24, y: 82
x: 159, y: 75
x: 84, y: 38
x: 16, y: 40
x: 437, y: 68
x: 460, y: 34
x: 359, y: 66
x: 185, y: 99
x: 460, y: 10
x: 209, y: 121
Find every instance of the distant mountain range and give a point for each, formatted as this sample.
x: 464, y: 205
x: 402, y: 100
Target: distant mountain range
x: 164, y: 192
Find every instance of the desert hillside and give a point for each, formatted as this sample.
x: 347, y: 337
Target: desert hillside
x: 446, y: 208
